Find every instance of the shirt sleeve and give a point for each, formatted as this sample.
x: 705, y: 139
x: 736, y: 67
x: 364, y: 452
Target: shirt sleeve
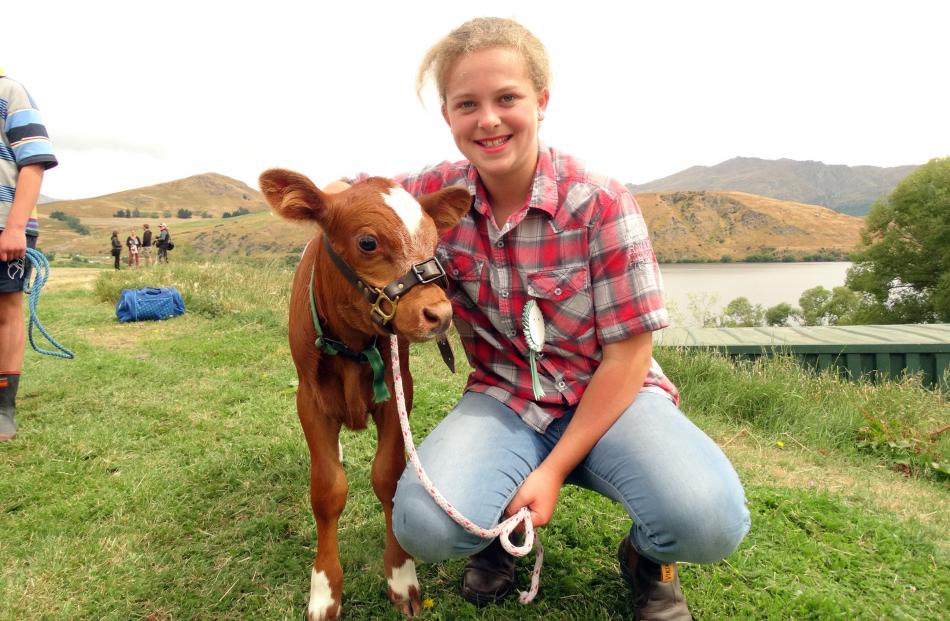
x: 625, y: 278
x: 26, y: 134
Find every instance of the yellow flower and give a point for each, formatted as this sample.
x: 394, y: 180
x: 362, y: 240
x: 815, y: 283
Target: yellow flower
x: 428, y: 603
x: 779, y: 444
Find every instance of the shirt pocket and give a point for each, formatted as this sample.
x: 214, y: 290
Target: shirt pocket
x: 465, y: 278
x: 565, y: 300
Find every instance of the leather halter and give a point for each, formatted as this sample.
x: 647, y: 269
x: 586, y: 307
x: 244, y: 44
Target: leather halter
x: 385, y: 299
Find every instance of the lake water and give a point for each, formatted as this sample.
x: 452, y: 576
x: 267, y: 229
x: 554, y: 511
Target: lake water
x: 693, y: 287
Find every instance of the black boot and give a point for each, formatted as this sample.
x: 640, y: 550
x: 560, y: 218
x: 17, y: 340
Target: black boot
x: 8, y: 387
x: 657, y: 595
x: 488, y: 576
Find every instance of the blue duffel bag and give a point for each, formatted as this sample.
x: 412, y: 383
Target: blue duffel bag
x: 149, y: 303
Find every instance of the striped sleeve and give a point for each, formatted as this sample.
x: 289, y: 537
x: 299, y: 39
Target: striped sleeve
x: 26, y: 135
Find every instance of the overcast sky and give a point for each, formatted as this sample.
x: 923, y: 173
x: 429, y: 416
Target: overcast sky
x: 141, y: 92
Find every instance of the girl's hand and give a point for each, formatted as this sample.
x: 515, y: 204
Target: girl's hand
x: 539, y: 493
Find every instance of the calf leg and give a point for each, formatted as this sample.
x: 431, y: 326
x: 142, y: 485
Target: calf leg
x: 328, y: 488
x: 403, y: 585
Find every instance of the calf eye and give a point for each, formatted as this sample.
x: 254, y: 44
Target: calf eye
x: 367, y: 243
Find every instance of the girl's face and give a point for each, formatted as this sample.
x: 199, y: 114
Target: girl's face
x: 493, y: 111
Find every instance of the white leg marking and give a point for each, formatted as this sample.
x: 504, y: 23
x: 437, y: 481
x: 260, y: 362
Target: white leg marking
x: 340, y: 447
x: 406, y: 207
x: 403, y: 579
x: 321, y: 598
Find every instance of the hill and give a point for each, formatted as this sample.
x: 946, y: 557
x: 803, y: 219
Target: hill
x: 847, y: 189
x: 206, y: 193
x: 711, y: 225
x: 685, y: 226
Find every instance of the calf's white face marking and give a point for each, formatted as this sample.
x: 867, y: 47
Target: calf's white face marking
x: 321, y: 597
x: 403, y: 579
x: 406, y: 207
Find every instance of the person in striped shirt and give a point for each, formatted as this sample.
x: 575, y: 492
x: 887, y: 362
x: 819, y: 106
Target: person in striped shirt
x: 544, y: 231
x: 25, y: 155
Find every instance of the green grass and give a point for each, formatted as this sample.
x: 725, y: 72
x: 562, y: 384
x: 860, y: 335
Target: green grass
x: 162, y: 475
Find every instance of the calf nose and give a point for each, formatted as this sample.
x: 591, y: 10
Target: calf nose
x: 435, y: 319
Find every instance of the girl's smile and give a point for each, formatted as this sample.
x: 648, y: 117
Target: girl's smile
x: 493, y: 111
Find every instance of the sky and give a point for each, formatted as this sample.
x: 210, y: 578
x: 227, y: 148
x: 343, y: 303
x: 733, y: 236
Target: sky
x: 135, y: 93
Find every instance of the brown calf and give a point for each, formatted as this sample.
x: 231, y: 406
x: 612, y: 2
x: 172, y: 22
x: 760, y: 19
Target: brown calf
x: 381, y: 236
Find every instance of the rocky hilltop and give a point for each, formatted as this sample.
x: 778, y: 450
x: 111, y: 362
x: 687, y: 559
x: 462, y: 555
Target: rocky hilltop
x: 847, y: 189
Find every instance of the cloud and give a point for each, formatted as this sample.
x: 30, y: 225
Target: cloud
x: 88, y: 142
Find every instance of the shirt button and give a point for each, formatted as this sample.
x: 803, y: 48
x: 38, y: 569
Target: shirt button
x: 504, y: 294
x: 512, y: 334
x: 561, y: 384
x: 557, y: 291
x: 500, y: 244
x: 455, y: 272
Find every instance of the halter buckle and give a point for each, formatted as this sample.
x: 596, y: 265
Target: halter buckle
x: 377, y: 311
x: 429, y: 270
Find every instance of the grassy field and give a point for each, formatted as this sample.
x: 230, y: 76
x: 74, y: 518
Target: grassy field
x: 162, y: 475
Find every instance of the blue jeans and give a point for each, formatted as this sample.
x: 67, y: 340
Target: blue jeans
x: 680, y: 490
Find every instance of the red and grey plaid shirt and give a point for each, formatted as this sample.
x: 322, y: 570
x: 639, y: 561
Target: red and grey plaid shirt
x: 580, y: 248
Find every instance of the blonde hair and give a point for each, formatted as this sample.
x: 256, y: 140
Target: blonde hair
x: 479, y: 34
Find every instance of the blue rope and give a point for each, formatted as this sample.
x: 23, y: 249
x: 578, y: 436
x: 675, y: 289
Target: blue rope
x: 41, y: 267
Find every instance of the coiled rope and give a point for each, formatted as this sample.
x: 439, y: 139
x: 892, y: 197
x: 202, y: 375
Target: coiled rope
x: 32, y: 290
x: 503, y: 530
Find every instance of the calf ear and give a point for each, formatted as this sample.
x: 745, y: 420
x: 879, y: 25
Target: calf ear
x: 292, y: 195
x: 447, y: 206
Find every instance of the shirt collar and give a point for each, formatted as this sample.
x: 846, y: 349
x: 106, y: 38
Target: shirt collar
x: 544, y: 194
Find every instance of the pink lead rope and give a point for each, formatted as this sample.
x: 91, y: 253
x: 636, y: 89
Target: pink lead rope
x: 503, y: 529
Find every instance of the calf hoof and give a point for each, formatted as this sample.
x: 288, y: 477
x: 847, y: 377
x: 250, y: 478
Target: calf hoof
x: 403, y: 588
x: 323, y: 604
x: 410, y: 606
x: 321, y: 615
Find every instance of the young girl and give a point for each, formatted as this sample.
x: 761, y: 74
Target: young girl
x: 543, y: 229
x: 133, y: 242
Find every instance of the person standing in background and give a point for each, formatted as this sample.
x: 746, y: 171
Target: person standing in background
x: 163, y: 238
x: 147, y: 244
x: 116, y: 249
x: 133, y: 242
x: 25, y: 155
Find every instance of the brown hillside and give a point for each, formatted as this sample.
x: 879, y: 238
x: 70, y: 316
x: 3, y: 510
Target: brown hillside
x: 709, y: 225
x: 684, y: 225
x: 208, y: 192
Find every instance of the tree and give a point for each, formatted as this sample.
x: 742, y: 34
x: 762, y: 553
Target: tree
x: 813, y: 301
x: 740, y: 312
x: 903, y: 263
x: 780, y: 314
x: 842, y: 308
x: 839, y: 307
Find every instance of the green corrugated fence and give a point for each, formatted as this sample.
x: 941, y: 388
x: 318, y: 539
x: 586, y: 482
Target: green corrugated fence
x: 859, y: 352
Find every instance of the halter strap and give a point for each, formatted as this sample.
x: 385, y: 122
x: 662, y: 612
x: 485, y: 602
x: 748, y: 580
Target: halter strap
x: 333, y: 347
x: 384, y: 300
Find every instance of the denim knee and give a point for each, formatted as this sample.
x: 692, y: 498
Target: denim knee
x: 704, y: 528
x: 423, y: 529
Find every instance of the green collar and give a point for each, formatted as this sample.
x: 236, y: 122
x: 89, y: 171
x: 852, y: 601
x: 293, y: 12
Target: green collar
x: 369, y: 356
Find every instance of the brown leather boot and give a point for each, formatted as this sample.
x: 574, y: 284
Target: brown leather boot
x: 488, y: 576
x: 657, y: 595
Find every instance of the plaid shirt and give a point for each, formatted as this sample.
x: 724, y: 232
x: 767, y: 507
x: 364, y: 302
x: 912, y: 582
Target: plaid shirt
x: 581, y: 250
